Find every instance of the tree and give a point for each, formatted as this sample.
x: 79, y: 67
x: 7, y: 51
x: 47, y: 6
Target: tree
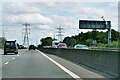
x: 2, y: 41
x: 89, y: 42
x: 114, y: 35
x: 101, y: 37
x: 46, y: 41
x: 70, y: 41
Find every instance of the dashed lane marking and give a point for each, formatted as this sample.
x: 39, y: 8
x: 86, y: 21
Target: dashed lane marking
x: 7, y: 63
x: 13, y: 58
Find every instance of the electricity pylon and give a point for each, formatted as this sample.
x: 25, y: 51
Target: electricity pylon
x: 26, y: 35
x: 60, y: 33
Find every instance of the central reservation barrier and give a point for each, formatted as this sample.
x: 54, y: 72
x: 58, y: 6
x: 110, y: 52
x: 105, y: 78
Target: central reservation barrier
x: 105, y: 61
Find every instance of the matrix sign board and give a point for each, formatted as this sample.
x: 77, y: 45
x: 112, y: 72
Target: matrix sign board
x: 94, y: 24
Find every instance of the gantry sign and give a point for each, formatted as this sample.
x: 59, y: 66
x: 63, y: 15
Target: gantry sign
x: 96, y: 24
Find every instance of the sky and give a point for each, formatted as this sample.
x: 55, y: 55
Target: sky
x: 45, y: 17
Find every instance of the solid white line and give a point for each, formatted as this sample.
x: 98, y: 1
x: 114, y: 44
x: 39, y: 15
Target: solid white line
x: 62, y: 67
x: 6, y: 62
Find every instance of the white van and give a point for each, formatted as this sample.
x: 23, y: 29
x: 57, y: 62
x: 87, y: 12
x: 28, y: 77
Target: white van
x: 55, y: 44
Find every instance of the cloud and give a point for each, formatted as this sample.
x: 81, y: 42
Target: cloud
x: 114, y: 5
x: 43, y: 27
x: 70, y: 8
x: 59, y: 18
x: 60, y: 0
x: 48, y: 4
x: 63, y: 20
x: 30, y: 18
x: 19, y: 7
x: 93, y: 12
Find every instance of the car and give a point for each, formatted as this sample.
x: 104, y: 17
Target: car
x: 10, y: 47
x: 46, y: 46
x: 21, y: 47
x: 54, y: 46
x: 62, y: 45
x: 32, y: 47
x: 81, y: 47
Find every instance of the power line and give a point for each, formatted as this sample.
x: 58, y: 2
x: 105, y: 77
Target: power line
x: 26, y: 35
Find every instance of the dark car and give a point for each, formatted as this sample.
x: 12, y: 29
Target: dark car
x: 10, y: 47
x: 32, y: 47
x: 21, y: 47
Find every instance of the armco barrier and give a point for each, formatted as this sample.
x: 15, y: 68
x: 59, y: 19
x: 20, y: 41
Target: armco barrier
x: 105, y: 61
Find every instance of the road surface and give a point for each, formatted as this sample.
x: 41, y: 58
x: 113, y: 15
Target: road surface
x: 35, y: 64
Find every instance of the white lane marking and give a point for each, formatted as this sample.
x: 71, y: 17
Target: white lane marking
x: 13, y: 58
x: 62, y: 67
x: 17, y: 55
x: 6, y: 62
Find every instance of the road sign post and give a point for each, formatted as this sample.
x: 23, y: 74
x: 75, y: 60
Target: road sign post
x: 109, y: 36
x: 96, y: 24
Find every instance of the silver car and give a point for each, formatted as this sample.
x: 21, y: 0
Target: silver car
x: 81, y: 47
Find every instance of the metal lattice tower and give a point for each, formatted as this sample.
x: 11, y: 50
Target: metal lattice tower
x: 26, y: 35
x: 3, y: 32
x: 60, y: 33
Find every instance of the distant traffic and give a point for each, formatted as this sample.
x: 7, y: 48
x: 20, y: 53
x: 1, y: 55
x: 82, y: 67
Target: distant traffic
x: 57, y: 44
x: 12, y: 47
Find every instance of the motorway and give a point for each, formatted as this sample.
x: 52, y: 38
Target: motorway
x: 36, y: 64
